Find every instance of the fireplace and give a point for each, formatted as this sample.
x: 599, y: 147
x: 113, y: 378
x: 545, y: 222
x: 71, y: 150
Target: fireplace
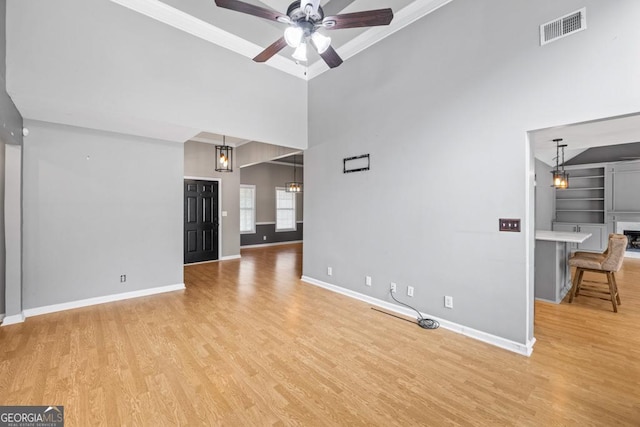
x: 632, y: 231
x: 634, y: 240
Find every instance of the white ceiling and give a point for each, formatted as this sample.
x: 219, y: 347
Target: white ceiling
x: 248, y: 35
x: 582, y: 136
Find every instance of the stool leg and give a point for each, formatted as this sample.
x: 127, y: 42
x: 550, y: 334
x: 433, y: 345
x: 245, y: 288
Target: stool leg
x: 615, y: 285
x: 577, y: 278
x: 612, y: 291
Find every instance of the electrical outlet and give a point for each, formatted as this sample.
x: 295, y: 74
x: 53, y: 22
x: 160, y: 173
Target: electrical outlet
x: 448, y: 302
x: 329, y: 271
x: 264, y: 238
x: 392, y: 287
x: 123, y: 278
x: 410, y: 291
x: 367, y: 280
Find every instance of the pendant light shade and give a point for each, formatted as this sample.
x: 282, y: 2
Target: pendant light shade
x: 293, y: 186
x: 560, y: 176
x: 301, y: 52
x: 293, y: 36
x: 224, y: 157
x: 321, y: 42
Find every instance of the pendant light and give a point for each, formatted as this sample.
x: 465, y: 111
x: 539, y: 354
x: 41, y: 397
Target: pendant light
x: 560, y: 176
x: 224, y: 157
x: 294, y: 186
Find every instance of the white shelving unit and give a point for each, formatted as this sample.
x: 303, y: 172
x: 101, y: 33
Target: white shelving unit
x: 581, y: 207
x: 583, y: 201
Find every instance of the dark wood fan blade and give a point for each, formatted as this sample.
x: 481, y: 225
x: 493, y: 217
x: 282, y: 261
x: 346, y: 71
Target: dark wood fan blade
x: 250, y: 9
x: 331, y: 57
x: 266, y: 54
x: 369, y: 18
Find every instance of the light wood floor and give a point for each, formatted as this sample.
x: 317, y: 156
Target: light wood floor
x: 248, y: 344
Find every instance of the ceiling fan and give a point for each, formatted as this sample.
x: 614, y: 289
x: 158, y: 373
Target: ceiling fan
x: 304, y: 18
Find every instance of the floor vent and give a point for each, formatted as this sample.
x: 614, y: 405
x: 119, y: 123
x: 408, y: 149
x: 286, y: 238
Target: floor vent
x: 563, y: 26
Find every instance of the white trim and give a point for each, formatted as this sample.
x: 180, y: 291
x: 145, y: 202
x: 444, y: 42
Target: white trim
x: 224, y: 258
x: 13, y: 319
x: 262, y: 245
x: 180, y: 20
x: 523, y: 349
x: 530, y: 236
x: 273, y: 162
x: 295, y: 212
x: 252, y: 187
x: 406, y: 16
x: 219, y: 180
x: 101, y: 300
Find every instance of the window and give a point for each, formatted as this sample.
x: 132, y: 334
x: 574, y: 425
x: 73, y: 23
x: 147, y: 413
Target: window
x: 285, y: 210
x: 247, y: 209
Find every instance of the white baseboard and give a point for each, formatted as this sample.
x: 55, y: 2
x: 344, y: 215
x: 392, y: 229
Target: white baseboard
x: 263, y: 245
x: 13, y: 319
x: 30, y: 312
x: 523, y: 349
x: 227, y: 258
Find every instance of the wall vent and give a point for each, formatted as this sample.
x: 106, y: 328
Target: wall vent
x: 563, y: 26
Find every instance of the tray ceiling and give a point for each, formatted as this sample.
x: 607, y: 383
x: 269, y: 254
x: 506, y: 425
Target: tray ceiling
x: 248, y: 35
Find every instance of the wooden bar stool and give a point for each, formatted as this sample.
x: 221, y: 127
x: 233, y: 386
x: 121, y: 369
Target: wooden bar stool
x: 607, y: 263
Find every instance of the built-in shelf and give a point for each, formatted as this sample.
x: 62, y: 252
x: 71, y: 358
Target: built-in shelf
x: 580, y: 188
x: 584, y: 200
x: 570, y: 198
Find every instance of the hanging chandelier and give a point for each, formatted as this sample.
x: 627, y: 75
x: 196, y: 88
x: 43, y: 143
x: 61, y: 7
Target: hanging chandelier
x: 293, y: 186
x: 224, y: 157
x: 560, y: 176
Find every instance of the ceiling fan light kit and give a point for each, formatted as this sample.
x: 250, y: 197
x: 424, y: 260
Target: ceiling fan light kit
x: 300, y: 53
x: 321, y: 42
x: 293, y: 36
x: 305, y: 18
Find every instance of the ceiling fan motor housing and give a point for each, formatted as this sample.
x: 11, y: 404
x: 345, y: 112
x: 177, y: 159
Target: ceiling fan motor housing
x: 298, y: 13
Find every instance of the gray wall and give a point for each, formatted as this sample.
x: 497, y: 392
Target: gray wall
x: 98, y: 205
x: 3, y: 40
x: 545, y: 196
x: 445, y: 119
x: 2, y: 235
x: 10, y: 133
x: 266, y: 177
x: 199, y: 161
x: 3, y: 53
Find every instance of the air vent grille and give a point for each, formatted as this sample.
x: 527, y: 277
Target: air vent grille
x: 563, y: 26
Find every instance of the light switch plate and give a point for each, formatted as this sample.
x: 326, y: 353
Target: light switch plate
x: 509, y: 224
